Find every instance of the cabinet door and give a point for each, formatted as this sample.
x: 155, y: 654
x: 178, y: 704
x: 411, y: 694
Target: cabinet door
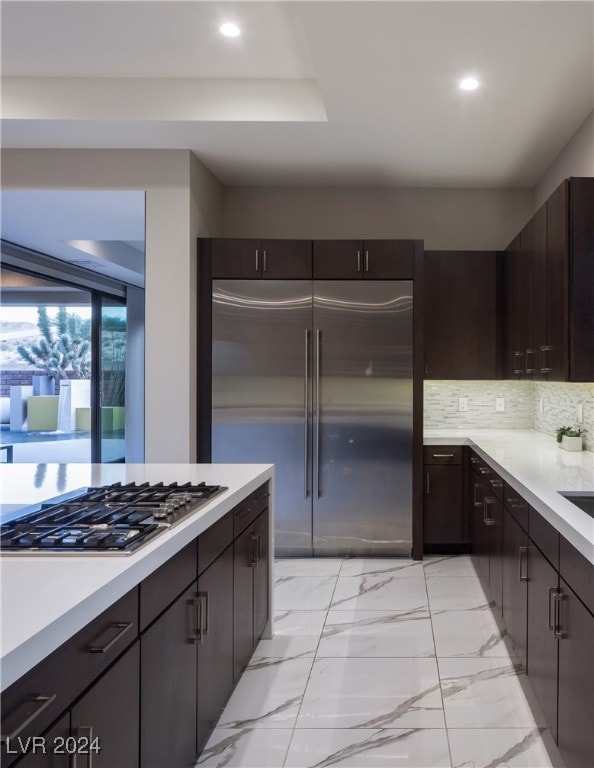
x: 53, y: 739
x: 459, y: 314
x: 338, y: 259
x: 511, y: 360
x: 215, y: 651
x: 261, y: 581
x: 388, y: 259
x: 243, y: 601
x: 494, y: 525
x: 286, y: 259
x: 556, y: 356
x: 109, y: 712
x: 478, y: 529
x: 524, y: 314
x: 515, y: 584
x: 168, y: 686
x: 236, y: 258
x: 442, y: 511
x: 542, y: 644
x: 576, y: 682
x: 536, y: 358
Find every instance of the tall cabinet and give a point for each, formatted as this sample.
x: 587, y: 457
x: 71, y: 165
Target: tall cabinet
x: 549, y: 289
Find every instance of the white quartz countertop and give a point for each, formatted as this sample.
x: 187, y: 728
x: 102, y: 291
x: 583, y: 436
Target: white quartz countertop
x: 47, y: 599
x: 534, y: 465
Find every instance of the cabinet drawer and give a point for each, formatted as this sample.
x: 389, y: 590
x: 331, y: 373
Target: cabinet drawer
x: 40, y: 696
x: 161, y: 588
x: 249, y: 509
x: 214, y: 541
x: 517, y: 506
x: 577, y: 572
x: 480, y: 466
x: 442, y: 454
x: 496, y: 484
x: 544, y: 536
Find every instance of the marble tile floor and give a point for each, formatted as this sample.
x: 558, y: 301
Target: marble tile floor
x: 381, y: 663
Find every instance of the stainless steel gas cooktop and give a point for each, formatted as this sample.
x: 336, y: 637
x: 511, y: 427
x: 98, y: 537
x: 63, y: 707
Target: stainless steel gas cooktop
x: 115, y: 519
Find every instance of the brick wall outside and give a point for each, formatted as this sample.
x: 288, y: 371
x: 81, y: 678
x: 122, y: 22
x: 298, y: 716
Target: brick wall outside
x: 9, y: 378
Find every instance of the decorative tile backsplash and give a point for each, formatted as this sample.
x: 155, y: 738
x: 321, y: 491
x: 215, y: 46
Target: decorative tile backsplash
x: 522, y: 401
x: 441, y: 405
x: 560, y: 403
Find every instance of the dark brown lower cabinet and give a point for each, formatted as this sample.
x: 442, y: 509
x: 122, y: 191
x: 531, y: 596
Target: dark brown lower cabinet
x: 494, y: 524
x: 110, y: 713
x: 479, y: 532
x: 252, y: 598
x: 576, y: 681
x: 515, y: 584
x: 442, y: 508
x: 543, y: 582
x: 52, y: 750
x: 215, y: 646
x: 261, y: 580
x: 168, y: 686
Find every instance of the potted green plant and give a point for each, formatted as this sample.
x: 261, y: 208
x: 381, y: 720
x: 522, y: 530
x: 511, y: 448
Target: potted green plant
x: 570, y: 438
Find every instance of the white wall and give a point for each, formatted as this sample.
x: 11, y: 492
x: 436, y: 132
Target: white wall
x: 444, y: 218
x: 575, y: 159
x: 180, y: 202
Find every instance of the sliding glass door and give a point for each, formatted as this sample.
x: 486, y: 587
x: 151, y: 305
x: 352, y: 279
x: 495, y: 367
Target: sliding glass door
x: 112, y: 379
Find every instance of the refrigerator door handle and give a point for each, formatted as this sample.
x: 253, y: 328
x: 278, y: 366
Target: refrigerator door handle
x: 306, y: 416
x: 318, y: 355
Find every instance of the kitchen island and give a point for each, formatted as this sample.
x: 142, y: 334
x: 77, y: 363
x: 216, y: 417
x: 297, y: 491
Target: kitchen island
x: 50, y: 600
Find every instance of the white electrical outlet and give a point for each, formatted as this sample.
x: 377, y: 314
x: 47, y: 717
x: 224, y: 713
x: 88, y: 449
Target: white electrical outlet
x: 462, y: 403
x: 580, y: 413
x: 499, y: 404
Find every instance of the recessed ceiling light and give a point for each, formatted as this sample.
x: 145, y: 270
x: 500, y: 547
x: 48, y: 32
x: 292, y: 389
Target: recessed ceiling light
x: 229, y: 29
x: 469, y: 84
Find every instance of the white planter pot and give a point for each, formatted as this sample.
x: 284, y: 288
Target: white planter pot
x: 74, y: 393
x: 571, y: 443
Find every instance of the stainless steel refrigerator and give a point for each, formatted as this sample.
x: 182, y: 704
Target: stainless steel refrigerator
x: 316, y: 378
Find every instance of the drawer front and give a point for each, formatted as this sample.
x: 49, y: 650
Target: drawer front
x: 517, y: 506
x: 480, y: 466
x: 214, y: 541
x: 442, y: 454
x: 577, y: 572
x: 545, y: 537
x: 496, y: 484
x: 245, y: 513
x: 163, y: 586
x: 44, y: 693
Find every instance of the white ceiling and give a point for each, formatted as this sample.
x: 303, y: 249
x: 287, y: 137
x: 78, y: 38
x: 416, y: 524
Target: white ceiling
x: 355, y: 93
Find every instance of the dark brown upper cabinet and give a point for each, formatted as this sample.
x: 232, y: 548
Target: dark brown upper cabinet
x: 549, y: 289
x: 460, y: 314
x: 363, y: 259
x: 250, y: 259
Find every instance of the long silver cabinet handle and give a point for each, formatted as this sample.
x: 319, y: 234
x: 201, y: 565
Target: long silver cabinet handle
x: 443, y: 455
x: 306, y: 417
x: 318, y: 360
x: 257, y: 260
x: 477, y: 503
x: 558, y: 631
x: 264, y: 264
x: 44, y: 703
x: 254, y: 550
x: 544, y: 366
x: 552, y: 593
x: 86, y: 732
x: 367, y: 261
x: 358, y: 261
x: 522, y: 551
x: 487, y: 503
x: 122, y: 627
x: 530, y: 369
x: 427, y: 483
x: 195, y: 605
x: 204, y: 617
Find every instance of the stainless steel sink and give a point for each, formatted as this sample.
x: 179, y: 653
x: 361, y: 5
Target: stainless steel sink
x: 583, y: 500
